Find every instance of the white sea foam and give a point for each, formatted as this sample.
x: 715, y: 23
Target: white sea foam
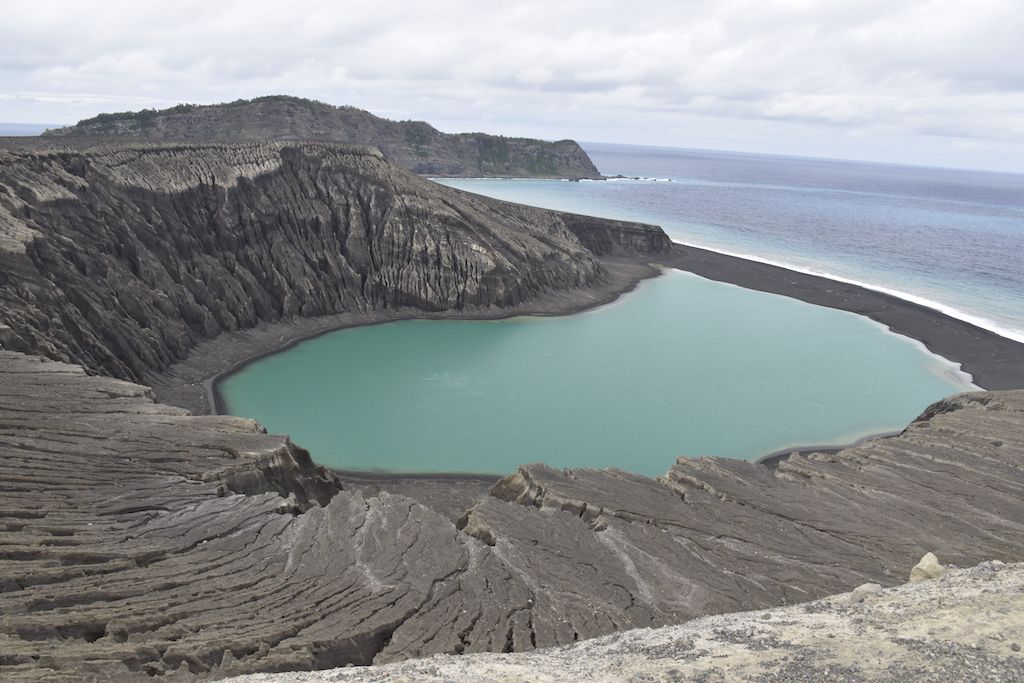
x: 1016, y: 335
x: 952, y: 312
x: 634, y: 179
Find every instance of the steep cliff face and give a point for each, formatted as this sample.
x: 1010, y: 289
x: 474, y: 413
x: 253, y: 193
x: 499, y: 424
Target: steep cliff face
x: 414, y: 145
x: 122, y: 258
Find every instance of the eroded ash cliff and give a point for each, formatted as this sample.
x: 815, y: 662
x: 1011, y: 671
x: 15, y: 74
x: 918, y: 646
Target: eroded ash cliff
x: 415, y: 145
x: 123, y: 257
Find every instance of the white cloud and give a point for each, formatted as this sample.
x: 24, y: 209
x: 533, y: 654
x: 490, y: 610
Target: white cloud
x: 921, y: 76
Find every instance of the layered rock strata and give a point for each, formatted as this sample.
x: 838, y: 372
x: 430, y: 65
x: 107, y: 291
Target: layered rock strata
x: 415, y: 145
x: 124, y: 257
x: 137, y: 540
x: 968, y: 626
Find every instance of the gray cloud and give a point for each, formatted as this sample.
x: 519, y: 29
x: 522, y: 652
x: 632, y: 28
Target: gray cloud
x: 935, y: 82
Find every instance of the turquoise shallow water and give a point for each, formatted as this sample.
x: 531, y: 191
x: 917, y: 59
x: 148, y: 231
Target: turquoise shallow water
x: 682, y: 366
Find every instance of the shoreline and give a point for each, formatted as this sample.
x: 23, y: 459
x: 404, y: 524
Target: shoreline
x: 605, y: 296
x: 192, y: 382
x: 936, y: 306
x: 993, y: 361
x: 773, y: 459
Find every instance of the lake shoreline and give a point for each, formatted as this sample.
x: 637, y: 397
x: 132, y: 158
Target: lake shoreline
x: 993, y: 361
x: 192, y: 383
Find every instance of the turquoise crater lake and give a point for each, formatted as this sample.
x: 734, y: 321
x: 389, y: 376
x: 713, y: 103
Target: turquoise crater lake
x: 681, y: 366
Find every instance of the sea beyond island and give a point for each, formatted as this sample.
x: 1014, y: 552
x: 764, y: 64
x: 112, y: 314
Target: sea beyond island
x: 683, y: 365
x: 948, y: 239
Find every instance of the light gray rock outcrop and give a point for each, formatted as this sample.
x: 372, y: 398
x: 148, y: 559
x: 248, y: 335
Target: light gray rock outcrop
x: 863, y: 592
x: 957, y: 629
x: 928, y: 568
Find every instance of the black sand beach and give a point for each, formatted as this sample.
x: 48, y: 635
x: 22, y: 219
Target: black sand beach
x: 192, y: 383
x: 994, y: 361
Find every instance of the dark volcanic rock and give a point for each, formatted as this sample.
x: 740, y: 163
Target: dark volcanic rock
x: 414, y: 145
x: 123, y: 258
x: 137, y: 540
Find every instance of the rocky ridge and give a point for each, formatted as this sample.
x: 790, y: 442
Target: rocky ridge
x: 138, y: 540
x: 414, y: 145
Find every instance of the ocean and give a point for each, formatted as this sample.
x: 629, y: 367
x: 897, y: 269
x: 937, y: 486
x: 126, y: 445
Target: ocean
x: 952, y: 240
x: 25, y: 129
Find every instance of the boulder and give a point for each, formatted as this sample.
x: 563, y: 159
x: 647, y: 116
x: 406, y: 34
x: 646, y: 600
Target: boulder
x: 863, y: 592
x: 928, y: 568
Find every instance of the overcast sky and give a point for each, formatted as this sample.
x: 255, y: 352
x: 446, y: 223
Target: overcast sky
x: 914, y: 81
